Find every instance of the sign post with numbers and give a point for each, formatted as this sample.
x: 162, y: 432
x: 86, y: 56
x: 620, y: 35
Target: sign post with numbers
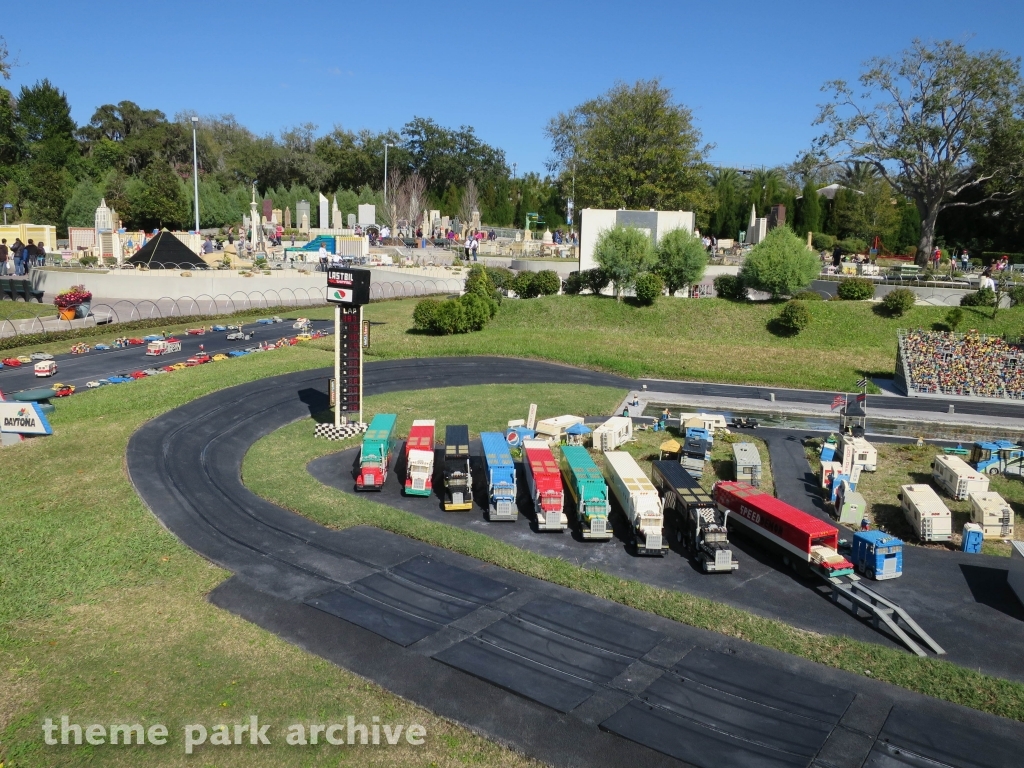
x: 348, y: 289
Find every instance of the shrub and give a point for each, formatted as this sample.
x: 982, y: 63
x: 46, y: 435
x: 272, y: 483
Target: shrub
x: 729, y: 287
x: 479, y: 282
x: 682, y: 259
x: 954, y: 317
x: 823, y: 242
x: 546, y: 282
x: 648, y: 288
x: 855, y: 289
x: 523, y: 285
x: 780, y: 264
x: 424, y: 313
x: 450, y: 318
x: 808, y: 296
x: 573, y: 284
x: 1016, y: 295
x: 500, y: 277
x: 478, y: 310
x: 794, y: 316
x: 853, y: 245
x: 624, y: 253
x: 89, y: 260
x: 911, y: 251
x: 596, y: 280
x: 984, y: 297
x: 899, y: 302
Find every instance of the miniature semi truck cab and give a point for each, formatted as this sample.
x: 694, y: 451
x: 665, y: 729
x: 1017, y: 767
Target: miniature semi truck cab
x: 692, y: 513
x: 589, y: 490
x: 545, y: 485
x: 376, y: 451
x: 501, y: 477
x: 640, y: 502
x: 458, y: 476
x: 419, y: 458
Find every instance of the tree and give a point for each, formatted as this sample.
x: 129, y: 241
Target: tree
x: 632, y: 147
x: 726, y: 220
x: 780, y: 264
x: 681, y: 259
x: 80, y: 210
x: 5, y: 65
x: 469, y: 203
x: 157, y: 199
x: 808, y: 212
x: 623, y: 253
x: 935, y: 123
x: 414, y: 193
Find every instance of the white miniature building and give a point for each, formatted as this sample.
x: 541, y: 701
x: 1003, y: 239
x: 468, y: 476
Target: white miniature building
x: 594, y: 221
x: 613, y: 433
x: 553, y: 430
x: 992, y: 513
x: 747, y: 463
x: 865, y: 455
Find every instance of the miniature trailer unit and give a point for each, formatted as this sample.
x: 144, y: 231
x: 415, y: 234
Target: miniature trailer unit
x: 877, y: 555
x: 957, y: 478
x: 553, y: 430
x: 419, y: 458
x: 162, y: 347
x: 747, y: 463
x: 639, y: 500
x: 588, y: 489
x: 992, y: 513
x: 613, y: 433
x: 544, y: 482
x: 691, y: 511
x: 458, y: 478
x: 501, y: 477
x: 375, y: 455
x: 803, y: 540
x: 865, y: 455
x: 926, y: 513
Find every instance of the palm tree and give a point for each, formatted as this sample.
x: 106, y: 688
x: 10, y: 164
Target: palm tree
x: 728, y: 188
x: 857, y: 175
x: 765, y: 187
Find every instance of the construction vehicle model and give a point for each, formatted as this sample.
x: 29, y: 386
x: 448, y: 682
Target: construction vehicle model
x: 589, y: 491
x: 501, y: 477
x: 694, y: 517
x: 544, y: 482
x: 376, y: 452
x: 639, y: 501
x: 458, y: 475
x: 419, y: 458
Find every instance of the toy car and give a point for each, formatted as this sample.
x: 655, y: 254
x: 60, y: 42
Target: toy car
x: 119, y: 379
x: 198, y: 359
x: 264, y: 321
x: 12, y: 361
x: 236, y: 335
x: 168, y: 369
x: 178, y: 366
x: 64, y: 391
x: 237, y: 353
x: 220, y: 356
x: 218, y: 328
x: 195, y: 332
x: 41, y: 356
x: 300, y: 323
x: 276, y: 319
x: 234, y: 328
x: 153, y: 337
x: 101, y: 346
x: 24, y: 359
x: 138, y: 375
x: 45, y: 368
x: 154, y: 371
x: 135, y: 342
x: 96, y: 384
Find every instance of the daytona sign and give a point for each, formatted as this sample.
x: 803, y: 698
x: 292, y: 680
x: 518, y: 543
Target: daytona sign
x: 23, y: 419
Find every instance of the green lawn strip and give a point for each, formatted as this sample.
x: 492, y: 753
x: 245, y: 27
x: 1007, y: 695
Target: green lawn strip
x: 103, y: 616
x: 275, y: 469
x: 59, y: 342
x: 901, y: 464
x: 694, y: 339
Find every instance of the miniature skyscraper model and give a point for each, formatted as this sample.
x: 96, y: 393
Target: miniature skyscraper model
x: 258, y: 240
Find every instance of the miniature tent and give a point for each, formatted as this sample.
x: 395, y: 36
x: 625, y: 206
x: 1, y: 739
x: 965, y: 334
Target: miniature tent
x: 574, y: 434
x: 165, y: 251
x: 670, y: 449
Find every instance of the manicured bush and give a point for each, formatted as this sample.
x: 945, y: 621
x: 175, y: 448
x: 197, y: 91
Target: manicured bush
x: 984, y: 297
x: 910, y: 250
x: 573, y: 284
x: 547, y: 282
x: 954, y: 317
x: 681, y: 259
x: 794, y: 316
x: 780, y: 264
x: 899, y: 302
x: 596, y: 280
x: 729, y: 287
x: 855, y: 289
x: 478, y: 282
x: 648, y: 288
x: 853, y: 245
x: 1016, y: 295
x: 823, y: 242
x: 500, y: 277
x: 450, y: 318
x: 808, y: 296
x: 89, y: 260
x: 624, y: 253
x: 424, y: 313
x: 524, y: 285
x: 478, y: 310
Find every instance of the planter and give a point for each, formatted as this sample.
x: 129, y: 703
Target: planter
x: 67, y: 313
x: 82, y: 310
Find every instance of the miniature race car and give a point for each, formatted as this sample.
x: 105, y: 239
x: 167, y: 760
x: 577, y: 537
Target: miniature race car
x: 178, y: 366
x: 64, y: 391
x: 138, y: 375
x: 135, y: 342
x: 234, y: 328
x: 220, y: 356
x: 24, y: 359
x: 264, y: 321
x: 195, y: 332
x: 119, y: 379
x: 237, y: 335
x: 303, y: 337
x: 12, y: 361
x: 41, y: 356
x: 101, y: 346
x: 153, y: 337
x: 237, y: 353
x: 276, y: 319
x: 300, y: 323
x: 153, y: 371
x: 218, y: 328
x: 96, y: 384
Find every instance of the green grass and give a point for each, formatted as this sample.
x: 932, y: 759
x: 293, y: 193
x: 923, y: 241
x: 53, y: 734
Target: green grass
x: 103, y: 614
x: 702, y: 339
x: 275, y: 468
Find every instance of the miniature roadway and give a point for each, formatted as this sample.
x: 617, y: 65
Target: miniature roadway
x: 565, y: 677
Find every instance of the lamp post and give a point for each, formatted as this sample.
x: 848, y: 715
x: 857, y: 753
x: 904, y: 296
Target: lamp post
x: 7, y: 207
x: 195, y: 168
x: 386, y: 145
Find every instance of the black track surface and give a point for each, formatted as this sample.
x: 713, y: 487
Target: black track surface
x: 186, y: 465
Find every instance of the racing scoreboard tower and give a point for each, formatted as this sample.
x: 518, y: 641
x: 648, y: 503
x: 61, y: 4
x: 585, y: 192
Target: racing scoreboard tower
x: 348, y: 289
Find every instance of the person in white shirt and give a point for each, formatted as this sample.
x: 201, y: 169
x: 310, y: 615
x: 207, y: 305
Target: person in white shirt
x: 986, y: 281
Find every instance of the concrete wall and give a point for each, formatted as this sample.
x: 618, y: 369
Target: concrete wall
x: 593, y: 222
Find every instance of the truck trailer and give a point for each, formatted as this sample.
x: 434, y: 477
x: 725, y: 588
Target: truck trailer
x: 805, y: 542
x: 419, y: 458
x: 613, y: 433
x: 992, y: 513
x: 639, y: 501
x: 544, y: 482
x: 588, y: 490
x: 501, y: 477
x: 691, y: 512
x: 926, y: 513
x: 458, y: 476
x: 957, y: 478
x: 375, y: 454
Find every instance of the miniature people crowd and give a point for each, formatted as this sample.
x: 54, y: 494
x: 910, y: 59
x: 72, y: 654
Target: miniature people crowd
x: 973, y: 364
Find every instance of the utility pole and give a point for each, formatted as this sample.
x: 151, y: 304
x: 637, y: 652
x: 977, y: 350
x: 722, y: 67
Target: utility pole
x: 195, y: 168
x: 386, y: 145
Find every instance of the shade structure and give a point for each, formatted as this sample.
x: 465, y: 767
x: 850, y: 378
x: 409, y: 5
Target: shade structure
x: 578, y: 429
x: 165, y: 251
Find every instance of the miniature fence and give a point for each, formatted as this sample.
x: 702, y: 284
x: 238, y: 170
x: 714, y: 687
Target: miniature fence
x: 46, y: 320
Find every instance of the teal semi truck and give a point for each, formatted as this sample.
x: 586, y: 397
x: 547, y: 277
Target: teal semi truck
x: 998, y: 457
x: 589, y: 490
x: 375, y: 454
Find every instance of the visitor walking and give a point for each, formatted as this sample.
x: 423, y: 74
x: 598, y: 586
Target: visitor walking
x: 4, y: 250
x: 936, y: 258
x: 16, y: 250
x: 986, y: 280
x: 837, y: 257
x: 965, y: 259
x: 474, y: 245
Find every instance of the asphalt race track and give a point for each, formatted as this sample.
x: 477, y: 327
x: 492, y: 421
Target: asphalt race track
x: 567, y: 678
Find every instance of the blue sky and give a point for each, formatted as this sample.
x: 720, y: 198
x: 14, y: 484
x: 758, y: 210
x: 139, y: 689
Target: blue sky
x: 751, y: 72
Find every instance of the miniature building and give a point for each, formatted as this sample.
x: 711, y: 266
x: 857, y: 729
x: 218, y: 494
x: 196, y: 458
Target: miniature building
x: 553, y: 429
x: 957, y: 478
x: 613, y: 433
x: 747, y: 462
x: 992, y: 513
x: 853, y: 416
x: 594, y: 221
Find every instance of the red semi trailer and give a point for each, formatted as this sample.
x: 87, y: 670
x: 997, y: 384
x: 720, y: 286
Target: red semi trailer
x: 803, y: 540
x: 544, y: 480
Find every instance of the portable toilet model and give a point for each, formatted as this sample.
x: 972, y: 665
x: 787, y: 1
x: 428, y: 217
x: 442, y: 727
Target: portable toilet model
x: 747, y: 463
x: 877, y: 555
x: 974, y: 535
x: 850, y: 506
x: 828, y: 449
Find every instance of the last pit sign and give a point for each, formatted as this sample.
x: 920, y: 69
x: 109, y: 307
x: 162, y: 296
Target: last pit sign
x: 23, y: 419
x: 348, y: 286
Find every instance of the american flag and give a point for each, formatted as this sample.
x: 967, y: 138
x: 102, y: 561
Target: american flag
x: 862, y: 383
x: 838, y: 401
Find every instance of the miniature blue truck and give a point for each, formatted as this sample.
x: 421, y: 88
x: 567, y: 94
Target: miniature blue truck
x: 501, y: 477
x: 997, y: 457
x: 877, y: 555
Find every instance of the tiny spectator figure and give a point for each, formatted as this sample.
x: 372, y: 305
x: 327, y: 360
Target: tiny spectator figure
x: 865, y: 524
x: 837, y: 256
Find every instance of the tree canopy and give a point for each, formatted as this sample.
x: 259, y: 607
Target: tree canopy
x: 780, y: 264
x: 681, y: 259
x: 623, y: 253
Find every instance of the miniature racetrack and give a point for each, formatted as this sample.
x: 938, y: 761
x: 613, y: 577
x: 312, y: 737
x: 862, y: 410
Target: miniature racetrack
x: 565, y: 677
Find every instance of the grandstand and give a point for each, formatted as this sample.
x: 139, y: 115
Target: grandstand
x: 936, y: 363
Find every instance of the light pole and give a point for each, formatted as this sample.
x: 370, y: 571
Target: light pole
x: 386, y: 145
x: 7, y: 207
x: 195, y: 168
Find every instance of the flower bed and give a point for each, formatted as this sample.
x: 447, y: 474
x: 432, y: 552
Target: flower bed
x: 72, y: 297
